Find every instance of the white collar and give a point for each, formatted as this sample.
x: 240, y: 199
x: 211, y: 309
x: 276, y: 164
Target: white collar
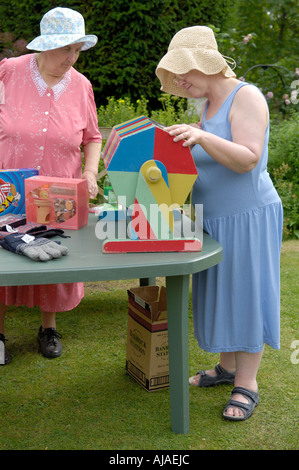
x: 41, y: 84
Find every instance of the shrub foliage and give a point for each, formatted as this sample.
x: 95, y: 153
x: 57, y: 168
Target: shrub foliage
x: 283, y: 167
x: 133, y: 36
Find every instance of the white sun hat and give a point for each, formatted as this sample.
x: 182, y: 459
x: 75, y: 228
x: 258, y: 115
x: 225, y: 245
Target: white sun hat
x: 60, y: 27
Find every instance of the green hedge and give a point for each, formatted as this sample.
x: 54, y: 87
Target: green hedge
x: 283, y: 167
x: 133, y: 36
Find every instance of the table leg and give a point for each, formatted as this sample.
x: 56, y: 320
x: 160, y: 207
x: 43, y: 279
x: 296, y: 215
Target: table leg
x: 147, y: 281
x: 177, y: 308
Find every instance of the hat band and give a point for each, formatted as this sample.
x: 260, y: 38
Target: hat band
x: 230, y: 61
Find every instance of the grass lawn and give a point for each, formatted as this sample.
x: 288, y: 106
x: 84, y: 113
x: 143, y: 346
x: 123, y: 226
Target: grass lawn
x: 85, y: 400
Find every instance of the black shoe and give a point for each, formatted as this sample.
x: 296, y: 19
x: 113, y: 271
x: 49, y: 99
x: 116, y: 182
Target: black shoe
x: 49, y: 342
x: 7, y: 356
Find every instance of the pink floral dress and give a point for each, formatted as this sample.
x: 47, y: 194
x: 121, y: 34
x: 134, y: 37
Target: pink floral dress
x: 44, y: 128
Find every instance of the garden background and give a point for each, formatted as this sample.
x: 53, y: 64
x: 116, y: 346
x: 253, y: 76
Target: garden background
x: 82, y: 406
x: 261, y: 35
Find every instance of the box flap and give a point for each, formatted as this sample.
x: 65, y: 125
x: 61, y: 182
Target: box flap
x: 152, y: 299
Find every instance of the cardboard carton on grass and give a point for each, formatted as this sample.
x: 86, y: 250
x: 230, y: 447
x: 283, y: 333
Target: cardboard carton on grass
x: 147, y: 340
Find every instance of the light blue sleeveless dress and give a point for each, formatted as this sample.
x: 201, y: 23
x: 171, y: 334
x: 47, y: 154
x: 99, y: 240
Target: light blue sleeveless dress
x: 236, y: 304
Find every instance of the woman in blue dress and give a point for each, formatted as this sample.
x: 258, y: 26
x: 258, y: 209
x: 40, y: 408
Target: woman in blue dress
x: 236, y: 304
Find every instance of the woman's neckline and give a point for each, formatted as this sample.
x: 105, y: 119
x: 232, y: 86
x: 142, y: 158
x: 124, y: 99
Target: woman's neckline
x: 42, y: 86
x: 54, y: 80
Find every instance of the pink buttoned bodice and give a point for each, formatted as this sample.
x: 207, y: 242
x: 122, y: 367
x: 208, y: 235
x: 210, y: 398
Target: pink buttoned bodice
x: 45, y: 129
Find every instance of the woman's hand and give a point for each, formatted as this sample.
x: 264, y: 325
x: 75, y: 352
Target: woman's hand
x: 90, y: 177
x: 190, y: 133
x: 92, y: 152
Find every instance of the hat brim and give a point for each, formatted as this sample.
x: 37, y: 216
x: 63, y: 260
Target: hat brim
x: 182, y: 61
x: 54, y: 41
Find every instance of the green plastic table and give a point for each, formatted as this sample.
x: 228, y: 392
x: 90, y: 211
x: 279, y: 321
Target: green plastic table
x: 86, y: 262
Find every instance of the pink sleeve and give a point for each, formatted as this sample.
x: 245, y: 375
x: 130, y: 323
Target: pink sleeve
x: 3, y: 64
x: 91, y: 133
x: 2, y: 83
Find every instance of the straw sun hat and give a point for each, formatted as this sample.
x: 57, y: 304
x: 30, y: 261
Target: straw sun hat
x: 193, y: 48
x: 60, y: 27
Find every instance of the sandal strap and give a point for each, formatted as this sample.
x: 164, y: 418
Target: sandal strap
x: 220, y: 371
x: 247, y: 408
x: 238, y: 404
x: 253, y: 396
x: 222, y: 376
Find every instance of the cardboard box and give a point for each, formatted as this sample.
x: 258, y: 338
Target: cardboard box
x: 59, y: 202
x: 147, y: 341
x: 12, y: 190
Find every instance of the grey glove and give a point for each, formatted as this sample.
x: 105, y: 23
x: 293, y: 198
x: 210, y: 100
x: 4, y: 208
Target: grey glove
x: 39, y: 249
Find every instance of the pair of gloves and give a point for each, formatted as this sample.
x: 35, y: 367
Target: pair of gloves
x: 35, y: 244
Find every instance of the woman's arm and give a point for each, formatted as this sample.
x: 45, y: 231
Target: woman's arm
x: 92, y: 153
x: 249, y: 119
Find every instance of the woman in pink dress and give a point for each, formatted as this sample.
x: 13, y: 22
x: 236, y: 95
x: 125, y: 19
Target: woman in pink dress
x: 47, y: 115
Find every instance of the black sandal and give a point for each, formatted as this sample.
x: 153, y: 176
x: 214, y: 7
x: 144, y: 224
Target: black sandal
x: 247, y: 408
x: 222, y: 377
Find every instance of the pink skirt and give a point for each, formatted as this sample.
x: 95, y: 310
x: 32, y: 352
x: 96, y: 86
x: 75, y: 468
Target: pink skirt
x: 49, y: 297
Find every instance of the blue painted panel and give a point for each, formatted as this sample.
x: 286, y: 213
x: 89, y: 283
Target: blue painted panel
x: 133, y: 151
